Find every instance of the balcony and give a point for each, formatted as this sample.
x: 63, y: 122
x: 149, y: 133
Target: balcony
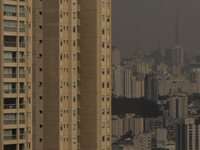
x: 10, y: 60
x: 21, y: 90
x: 78, y: 104
x: 11, y: 137
x: 9, y: 91
x: 22, y: 136
x: 21, y: 60
x: 21, y: 29
x: 7, y: 122
x: 6, y: 13
x: 78, y: 36
x: 21, y: 106
x: 10, y: 147
x: 11, y: 75
x: 21, y: 44
x: 10, y: 29
x: 21, y: 75
x: 78, y: 8
x: 10, y: 44
x: 22, y: 14
x: 22, y: 121
x: 78, y: 91
x: 10, y: 106
x: 78, y: 131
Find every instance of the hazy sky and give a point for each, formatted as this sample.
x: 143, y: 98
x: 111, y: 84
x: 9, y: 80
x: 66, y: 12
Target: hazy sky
x: 153, y: 17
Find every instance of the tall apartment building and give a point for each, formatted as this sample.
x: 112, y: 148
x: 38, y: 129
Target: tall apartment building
x: 15, y: 75
x: 187, y: 135
x: 178, y: 105
x: 60, y: 97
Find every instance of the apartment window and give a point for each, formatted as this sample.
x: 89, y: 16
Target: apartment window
x: 103, y: 124
x: 103, y: 71
x: 108, y: 32
x: 74, y: 29
x: 108, y: 45
x: 10, y: 118
x: 103, y: 138
x: 103, y: 98
x: 10, y: 26
x: 103, y: 18
x: 21, y: 72
x: 74, y: 112
x: 9, y: 57
x: 108, y: 18
x: 61, y: 14
x: 74, y: 98
x: 108, y: 71
x: 40, y: 27
x: 74, y: 84
x: 10, y: 134
x: 103, y: 111
x: 21, y: 11
x: 10, y: 41
x: 108, y: 5
x: 40, y: 97
x: 74, y: 43
x: 108, y: 124
x: 103, y: 44
x: 74, y: 140
x: 61, y: 127
x: 108, y: 85
x: 108, y: 111
x: 103, y: 58
x: 40, y: 125
x: 74, y: 71
x: 103, y: 84
x: 74, y: 15
x: 103, y: 4
x: 108, y: 137
x: 60, y: 28
x: 9, y: 87
x: 10, y: 10
x: 74, y: 126
x: 21, y: 118
x: 74, y: 2
x: 60, y: 1
x: 40, y: 140
x: 103, y: 31
x: 21, y: 41
x: 74, y: 57
x: 108, y: 98
x: 21, y: 26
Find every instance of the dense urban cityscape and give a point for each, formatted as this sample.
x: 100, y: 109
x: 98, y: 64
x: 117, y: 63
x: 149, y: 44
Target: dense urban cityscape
x: 65, y: 86
x: 170, y: 79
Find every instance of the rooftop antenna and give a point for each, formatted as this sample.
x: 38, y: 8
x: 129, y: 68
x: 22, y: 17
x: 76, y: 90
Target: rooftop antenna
x: 177, y: 37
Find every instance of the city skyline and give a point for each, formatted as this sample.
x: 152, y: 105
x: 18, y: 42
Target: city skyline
x: 155, y: 19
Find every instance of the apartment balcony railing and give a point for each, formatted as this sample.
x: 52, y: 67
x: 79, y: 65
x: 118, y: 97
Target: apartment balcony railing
x: 21, y: 60
x: 9, y: 13
x: 21, y: 75
x: 21, y: 29
x: 22, y: 121
x: 78, y: 8
x: 78, y: 36
x: 10, y: 137
x: 22, y: 14
x: 10, y: 106
x: 22, y: 0
x: 10, y: 29
x: 10, y: 44
x: 6, y: 122
x: 78, y: 131
x: 78, y: 90
x: 11, y: 75
x: 21, y: 44
x: 21, y: 106
x: 22, y: 136
x: 9, y: 60
x: 21, y: 90
x: 9, y: 90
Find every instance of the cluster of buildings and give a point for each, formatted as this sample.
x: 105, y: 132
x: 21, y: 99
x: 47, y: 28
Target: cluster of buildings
x: 168, y: 77
x: 55, y: 75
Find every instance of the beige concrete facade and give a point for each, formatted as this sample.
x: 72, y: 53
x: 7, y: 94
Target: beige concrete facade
x: 15, y: 74
x: 52, y: 84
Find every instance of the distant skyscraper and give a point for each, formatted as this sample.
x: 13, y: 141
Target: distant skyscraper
x: 116, y: 58
x: 194, y: 77
x: 187, y: 135
x: 127, y: 82
x: 151, y: 87
x: 178, y: 105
